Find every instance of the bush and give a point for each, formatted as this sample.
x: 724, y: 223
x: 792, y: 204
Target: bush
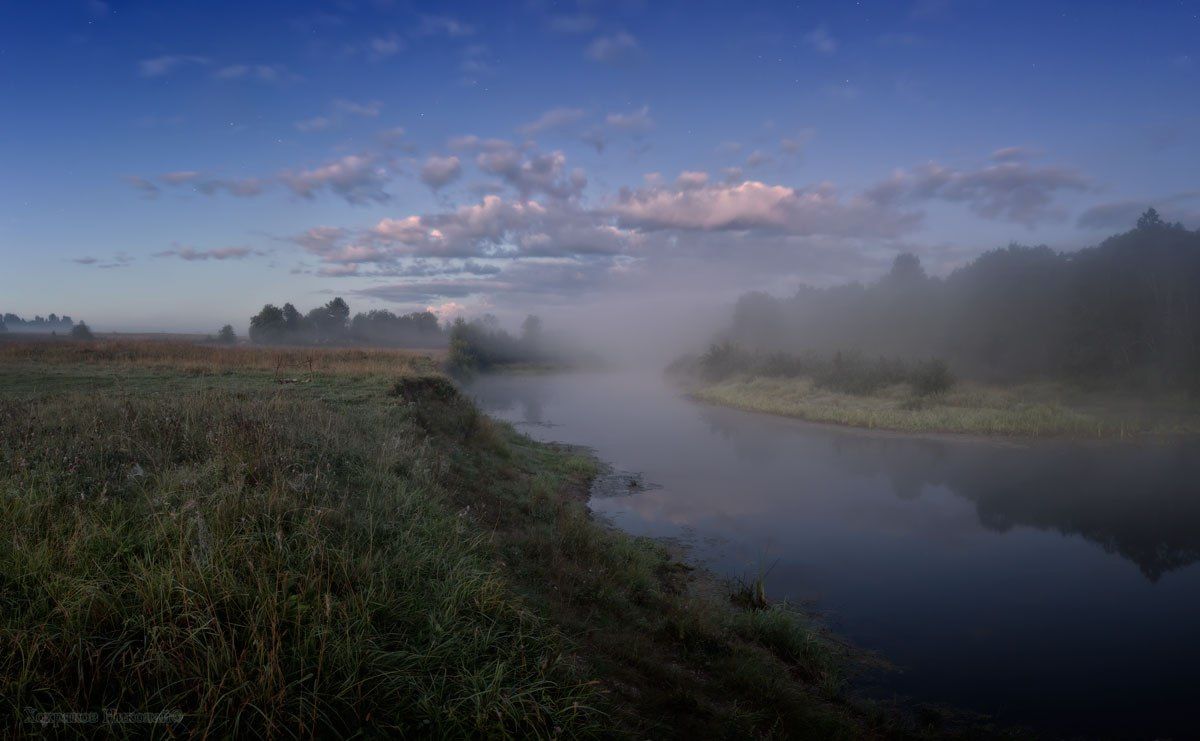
x: 82, y: 331
x: 931, y: 377
x: 227, y: 336
x: 723, y: 360
x: 852, y: 374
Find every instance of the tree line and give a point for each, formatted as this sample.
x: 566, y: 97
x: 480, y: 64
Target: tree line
x: 53, y: 323
x: 481, y: 344
x: 1125, y: 311
x: 332, y: 324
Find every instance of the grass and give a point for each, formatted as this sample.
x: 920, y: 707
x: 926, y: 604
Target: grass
x: 311, y: 543
x: 968, y: 408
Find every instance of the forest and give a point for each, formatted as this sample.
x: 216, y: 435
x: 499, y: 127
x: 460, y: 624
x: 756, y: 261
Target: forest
x: 1123, y: 313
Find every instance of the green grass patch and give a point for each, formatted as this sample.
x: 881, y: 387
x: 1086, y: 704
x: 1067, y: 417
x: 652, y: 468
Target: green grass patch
x: 1022, y: 411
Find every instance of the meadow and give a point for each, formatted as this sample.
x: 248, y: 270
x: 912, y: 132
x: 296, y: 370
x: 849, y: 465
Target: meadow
x: 1023, y: 410
x: 306, y: 542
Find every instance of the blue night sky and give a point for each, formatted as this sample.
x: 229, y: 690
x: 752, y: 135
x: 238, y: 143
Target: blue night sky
x: 175, y: 165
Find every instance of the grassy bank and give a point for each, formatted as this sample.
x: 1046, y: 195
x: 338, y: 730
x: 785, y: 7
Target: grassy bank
x: 967, y: 408
x: 302, y: 543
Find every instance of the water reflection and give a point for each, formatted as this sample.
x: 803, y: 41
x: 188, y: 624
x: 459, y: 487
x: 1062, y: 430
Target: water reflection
x: 1136, y: 501
x: 1054, y: 583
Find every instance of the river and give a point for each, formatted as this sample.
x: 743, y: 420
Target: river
x: 1049, y: 584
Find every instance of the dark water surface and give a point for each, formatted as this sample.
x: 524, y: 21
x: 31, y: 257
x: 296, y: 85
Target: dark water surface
x: 1052, y: 584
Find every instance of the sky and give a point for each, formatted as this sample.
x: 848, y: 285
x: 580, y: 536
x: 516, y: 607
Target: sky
x: 172, y: 166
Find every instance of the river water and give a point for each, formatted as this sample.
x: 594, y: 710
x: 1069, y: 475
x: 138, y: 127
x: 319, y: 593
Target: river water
x: 1049, y: 584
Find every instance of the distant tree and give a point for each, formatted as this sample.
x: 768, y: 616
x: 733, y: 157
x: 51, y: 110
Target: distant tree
x: 531, y: 336
x: 227, y: 336
x: 1126, y: 310
x: 268, y: 326
x: 531, y: 327
x: 293, y: 321
x: 1150, y: 220
x: 906, y: 268
x: 331, y: 321
x: 462, y: 357
x: 82, y: 331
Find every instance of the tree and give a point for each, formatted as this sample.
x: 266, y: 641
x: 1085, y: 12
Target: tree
x: 227, y: 336
x: 292, y: 319
x: 462, y: 357
x: 531, y: 336
x: 268, y: 325
x: 331, y: 320
x: 906, y: 269
x: 82, y: 331
x: 1150, y: 220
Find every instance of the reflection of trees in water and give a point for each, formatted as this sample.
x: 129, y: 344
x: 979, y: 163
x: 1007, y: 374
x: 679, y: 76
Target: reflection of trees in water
x: 1139, y: 502
x: 500, y: 394
x: 1135, y: 501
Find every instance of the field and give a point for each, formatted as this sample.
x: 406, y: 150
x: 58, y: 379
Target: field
x: 1029, y: 410
x: 276, y: 542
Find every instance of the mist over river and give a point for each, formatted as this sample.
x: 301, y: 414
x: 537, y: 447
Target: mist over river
x: 1052, y: 584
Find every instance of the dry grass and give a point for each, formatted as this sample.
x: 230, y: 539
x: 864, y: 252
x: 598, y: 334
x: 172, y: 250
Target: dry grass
x: 1022, y: 411
x: 195, y: 357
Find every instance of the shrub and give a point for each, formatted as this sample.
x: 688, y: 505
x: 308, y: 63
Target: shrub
x: 931, y: 377
x: 723, y: 360
x: 82, y: 331
x: 227, y: 336
x: 852, y: 374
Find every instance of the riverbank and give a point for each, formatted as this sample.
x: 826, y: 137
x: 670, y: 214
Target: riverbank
x: 275, y: 541
x: 1027, y: 411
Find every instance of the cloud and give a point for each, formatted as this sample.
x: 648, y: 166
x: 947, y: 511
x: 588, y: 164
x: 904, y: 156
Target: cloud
x: 419, y: 292
x: 369, y: 109
x: 434, y: 25
x: 531, y: 173
x: 555, y: 118
x: 265, y: 73
x: 164, y: 65
x: 756, y: 206
x: 437, y: 172
x: 120, y: 260
x: 1124, y: 214
x: 316, y: 123
x: 382, y: 47
x: 239, y: 187
x: 192, y: 254
x: 1009, y: 191
x: 148, y: 189
x: 341, y: 109
x: 794, y: 145
x: 821, y: 40
x: 474, y: 63
x: 757, y: 158
x: 538, y: 240
x: 1014, y: 154
x: 637, y: 121
x: 578, y: 23
x: 359, y: 179
x: 618, y: 48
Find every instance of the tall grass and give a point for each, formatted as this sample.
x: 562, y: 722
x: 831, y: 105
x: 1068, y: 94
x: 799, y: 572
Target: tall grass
x: 261, y: 566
